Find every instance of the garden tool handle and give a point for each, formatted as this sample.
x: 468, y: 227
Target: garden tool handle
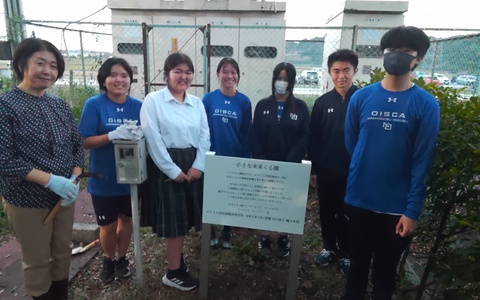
x: 57, y: 206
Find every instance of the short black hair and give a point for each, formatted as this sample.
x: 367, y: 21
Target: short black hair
x: 27, y: 48
x: 291, y: 74
x: 229, y: 60
x: 345, y: 55
x: 175, y: 59
x: 106, y: 68
x: 406, y: 37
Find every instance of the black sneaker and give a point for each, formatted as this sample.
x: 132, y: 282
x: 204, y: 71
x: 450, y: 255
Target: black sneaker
x: 122, y: 271
x: 283, y: 246
x: 180, y: 279
x: 213, y: 238
x: 108, y: 270
x: 264, y: 246
x: 226, y: 240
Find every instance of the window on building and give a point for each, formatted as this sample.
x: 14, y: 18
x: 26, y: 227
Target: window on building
x: 130, y: 48
x: 368, y: 51
x: 220, y: 51
x: 260, y: 52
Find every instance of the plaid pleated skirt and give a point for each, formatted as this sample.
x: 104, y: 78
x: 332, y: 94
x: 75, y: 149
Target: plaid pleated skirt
x: 172, y: 208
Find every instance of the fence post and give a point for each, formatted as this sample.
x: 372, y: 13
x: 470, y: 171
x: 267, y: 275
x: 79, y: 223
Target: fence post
x: 354, y: 37
x: 434, y: 62
x: 209, y: 55
x: 83, y: 61
x: 146, y: 71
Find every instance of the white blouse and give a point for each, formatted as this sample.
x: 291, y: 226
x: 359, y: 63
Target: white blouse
x: 168, y: 123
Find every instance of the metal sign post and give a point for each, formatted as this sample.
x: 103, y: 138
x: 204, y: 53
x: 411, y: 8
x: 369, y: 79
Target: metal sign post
x: 131, y: 167
x: 136, y: 234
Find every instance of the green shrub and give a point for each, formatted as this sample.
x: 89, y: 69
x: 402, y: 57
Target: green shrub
x: 75, y: 95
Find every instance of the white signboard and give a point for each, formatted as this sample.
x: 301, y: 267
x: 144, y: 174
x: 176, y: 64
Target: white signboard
x: 258, y: 194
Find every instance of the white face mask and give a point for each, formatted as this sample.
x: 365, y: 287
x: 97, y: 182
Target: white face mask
x: 281, y: 87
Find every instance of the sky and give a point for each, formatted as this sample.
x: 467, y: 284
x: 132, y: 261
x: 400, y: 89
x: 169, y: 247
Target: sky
x: 421, y: 13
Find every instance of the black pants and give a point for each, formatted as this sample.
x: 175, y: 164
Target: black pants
x: 333, y: 222
x: 373, y: 236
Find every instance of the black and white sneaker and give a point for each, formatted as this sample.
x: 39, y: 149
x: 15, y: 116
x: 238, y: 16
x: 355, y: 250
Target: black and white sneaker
x: 283, y: 246
x: 180, y: 279
x: 264, y: 246
x: 108, y: 270
x: 122, y: 271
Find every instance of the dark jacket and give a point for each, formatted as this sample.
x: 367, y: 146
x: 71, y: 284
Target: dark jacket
x: 286, y: 140
x: 326, y: 147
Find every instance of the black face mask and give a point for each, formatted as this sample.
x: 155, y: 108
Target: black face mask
x: 397, y: 63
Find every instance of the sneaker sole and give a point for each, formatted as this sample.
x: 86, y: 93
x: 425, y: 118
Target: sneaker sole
x: 320, y: 264
x: 285, y: 255
x: 123, y: 277
x: 214, y: 243
x: 169, y: 283
x: 109, y: 279
x: 227, y: 246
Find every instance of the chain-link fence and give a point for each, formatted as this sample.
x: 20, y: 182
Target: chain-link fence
x: 453, y: 58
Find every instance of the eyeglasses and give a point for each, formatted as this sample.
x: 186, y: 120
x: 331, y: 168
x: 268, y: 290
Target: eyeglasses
x: 404, y: 50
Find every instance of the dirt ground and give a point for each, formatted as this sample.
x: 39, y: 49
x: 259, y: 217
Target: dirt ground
x: 240, y: 273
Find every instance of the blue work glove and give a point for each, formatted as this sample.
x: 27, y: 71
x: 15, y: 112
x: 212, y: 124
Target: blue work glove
x: 67, y: 202
x: 62, y: 186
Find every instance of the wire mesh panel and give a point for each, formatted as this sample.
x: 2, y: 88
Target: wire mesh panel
x: 258, y: 50
x: 84, y: 47
x: 164, y: 40
x: 127, y: 43
x: 367, y: 47
x: 452, y: 59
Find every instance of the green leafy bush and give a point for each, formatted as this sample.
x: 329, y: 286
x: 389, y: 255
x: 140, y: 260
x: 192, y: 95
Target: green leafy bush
x: 75, y: 95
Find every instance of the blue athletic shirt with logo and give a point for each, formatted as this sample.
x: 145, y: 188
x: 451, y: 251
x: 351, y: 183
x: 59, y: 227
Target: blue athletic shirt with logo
x: 230, y: 121
x: 391, y: 138
x: 100, y: 115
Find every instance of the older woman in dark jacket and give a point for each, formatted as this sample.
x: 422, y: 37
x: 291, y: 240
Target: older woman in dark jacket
x: 40, y: 156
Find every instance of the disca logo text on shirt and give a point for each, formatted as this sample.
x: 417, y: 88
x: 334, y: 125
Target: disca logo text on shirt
x: 387, y: 114
x: 225, y: 112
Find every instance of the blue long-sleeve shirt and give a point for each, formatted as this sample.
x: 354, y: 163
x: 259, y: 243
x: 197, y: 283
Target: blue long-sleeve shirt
x: 230, y: 122
x: 391, y: 138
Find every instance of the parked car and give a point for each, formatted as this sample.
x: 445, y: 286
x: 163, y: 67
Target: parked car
x: 418, y: 74
x: 428, y: 79
x: 443, y: 79
x: 308, y: 77
x: 468, y: 80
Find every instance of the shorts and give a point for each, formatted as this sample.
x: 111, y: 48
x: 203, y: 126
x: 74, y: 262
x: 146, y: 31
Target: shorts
x: 107, y: 209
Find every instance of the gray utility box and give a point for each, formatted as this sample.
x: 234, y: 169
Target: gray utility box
x: 130, y: 161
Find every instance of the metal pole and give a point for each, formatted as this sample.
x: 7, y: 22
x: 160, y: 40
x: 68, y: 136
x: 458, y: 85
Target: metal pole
x: 209, y: 54
x: 293, y: 270
x: 83, y: 61
x: 204, y: 261
x: 136, y: 234
x: 435, y: 56
x: 354, y: 38
x: 146, y: 71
